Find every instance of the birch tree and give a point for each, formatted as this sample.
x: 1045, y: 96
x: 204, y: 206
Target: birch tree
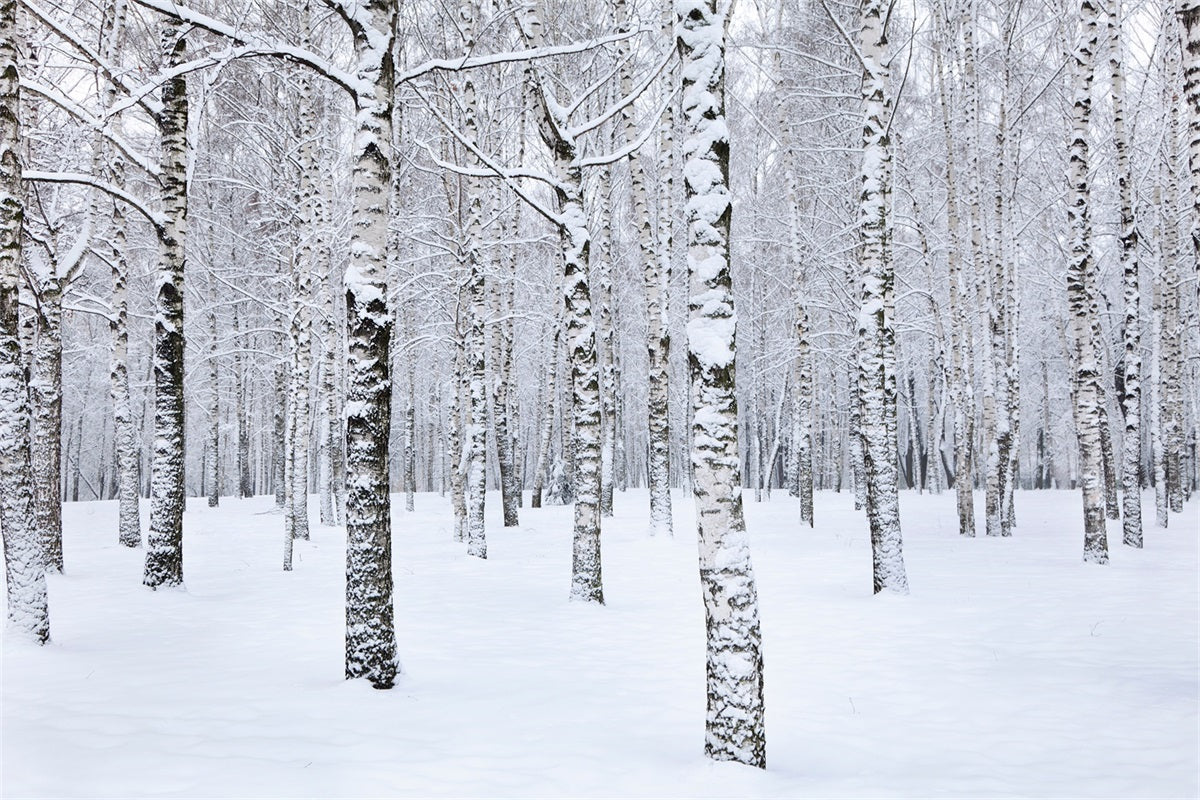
x: 1081, y: 290
x: 734, y: 727
x: 24, y: 565
x: 164, y: 544
x: 876, y: 319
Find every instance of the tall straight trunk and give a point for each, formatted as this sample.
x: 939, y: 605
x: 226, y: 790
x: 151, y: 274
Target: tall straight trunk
x: 602, y: 280
x: 1157, y: 448
x: 1171, y: 331
x: 279, y: 442
x: 1081, y: 294
x: 475, y: 351
x: 45, y: 395
x: 657, y: 340
x: 961, y: 392
x: 1188, y: 12
x: 164, y: 544
x: 24, y: 564
x: 984, y: 296
x: 734, y: 728
x: 1002, y: 320
x: 575, y: 239
x: 370, y: 630
x: 110, y: 168
x: 245, y: 473
x: 410, y: 443
x: 328, y: 428
x: 548, y: 413
x: 876, y: 319
x: 213, y: 464
x: 501, y: 352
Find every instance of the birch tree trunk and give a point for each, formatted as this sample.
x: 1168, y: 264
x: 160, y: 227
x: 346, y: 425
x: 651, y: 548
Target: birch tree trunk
x: 548, y: 415
x: 24, y: 565
x: 1188, y: 12
x: 245, y: 473
x: 1131, y: 402
x: 502, y: 376
x: 602, y: 280
x: 734, y: 726
x: 657, y: 341
x: 961, y: 392
x: 370, y: 631
x: 1081, y: 294
x: 876, y: 319
x: 586, y: 578
x: 164, y: 544
x: 475, y: 350
x: 213, y: 464
x: 45, y: 397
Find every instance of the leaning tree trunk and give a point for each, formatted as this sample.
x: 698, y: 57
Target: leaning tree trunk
x: 1081, y: 297
x: 370, y: 630
x: 164, y: 544
x: 734, y: 727
x: 876, y: 319
x: 24, y: 566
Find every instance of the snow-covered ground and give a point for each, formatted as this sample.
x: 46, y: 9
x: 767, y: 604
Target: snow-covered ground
x: 1013, y: 669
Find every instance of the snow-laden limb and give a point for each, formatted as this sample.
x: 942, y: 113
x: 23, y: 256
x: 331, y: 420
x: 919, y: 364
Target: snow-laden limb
x: 734, y: 728
x: 155, y: 218
x: 24, y: 568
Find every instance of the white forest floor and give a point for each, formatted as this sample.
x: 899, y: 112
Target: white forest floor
x: 1013, y: 669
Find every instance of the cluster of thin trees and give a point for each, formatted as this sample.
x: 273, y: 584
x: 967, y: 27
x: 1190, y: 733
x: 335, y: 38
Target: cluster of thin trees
x: 360, y: 247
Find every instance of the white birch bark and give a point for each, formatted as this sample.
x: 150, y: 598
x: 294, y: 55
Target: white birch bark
x: 1131, y: 402
x: 657, y: 341
x: 586, y: 577
x: 1081, y: 293
x: 164, y: 544
x: 212, y: 451
x: 734, y: 726
x: 876, y: 319
x: 370, y: 630
x: 961, y: 392
x: 24, y: 567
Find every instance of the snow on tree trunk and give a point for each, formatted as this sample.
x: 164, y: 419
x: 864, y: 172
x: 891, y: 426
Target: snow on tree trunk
x: 475, y: 350
x: 734, y: 726
x: 279, y: 442
x: 602, y: 280
x: 1188, y: 12
x: 45, y: 398
x: 164, y: 544
x: 1081, y: 295
x: 370, y: 631
x: 24, y: 565
x: 1131, y: 402
x: 501, y: 352
x: 961, y: 392
x: 876, y: 319
x: 213, y: 462
x: 245, y: 477
x: 575, y: 238
x: 548, y: 414
x: 657, y: 341
x: 1172, y: 368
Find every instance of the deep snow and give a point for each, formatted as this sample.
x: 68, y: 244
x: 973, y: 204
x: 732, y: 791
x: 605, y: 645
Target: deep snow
x: 1013, y: 669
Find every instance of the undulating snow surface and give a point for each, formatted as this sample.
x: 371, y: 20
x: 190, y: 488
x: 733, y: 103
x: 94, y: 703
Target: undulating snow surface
x: 1013, y: 669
